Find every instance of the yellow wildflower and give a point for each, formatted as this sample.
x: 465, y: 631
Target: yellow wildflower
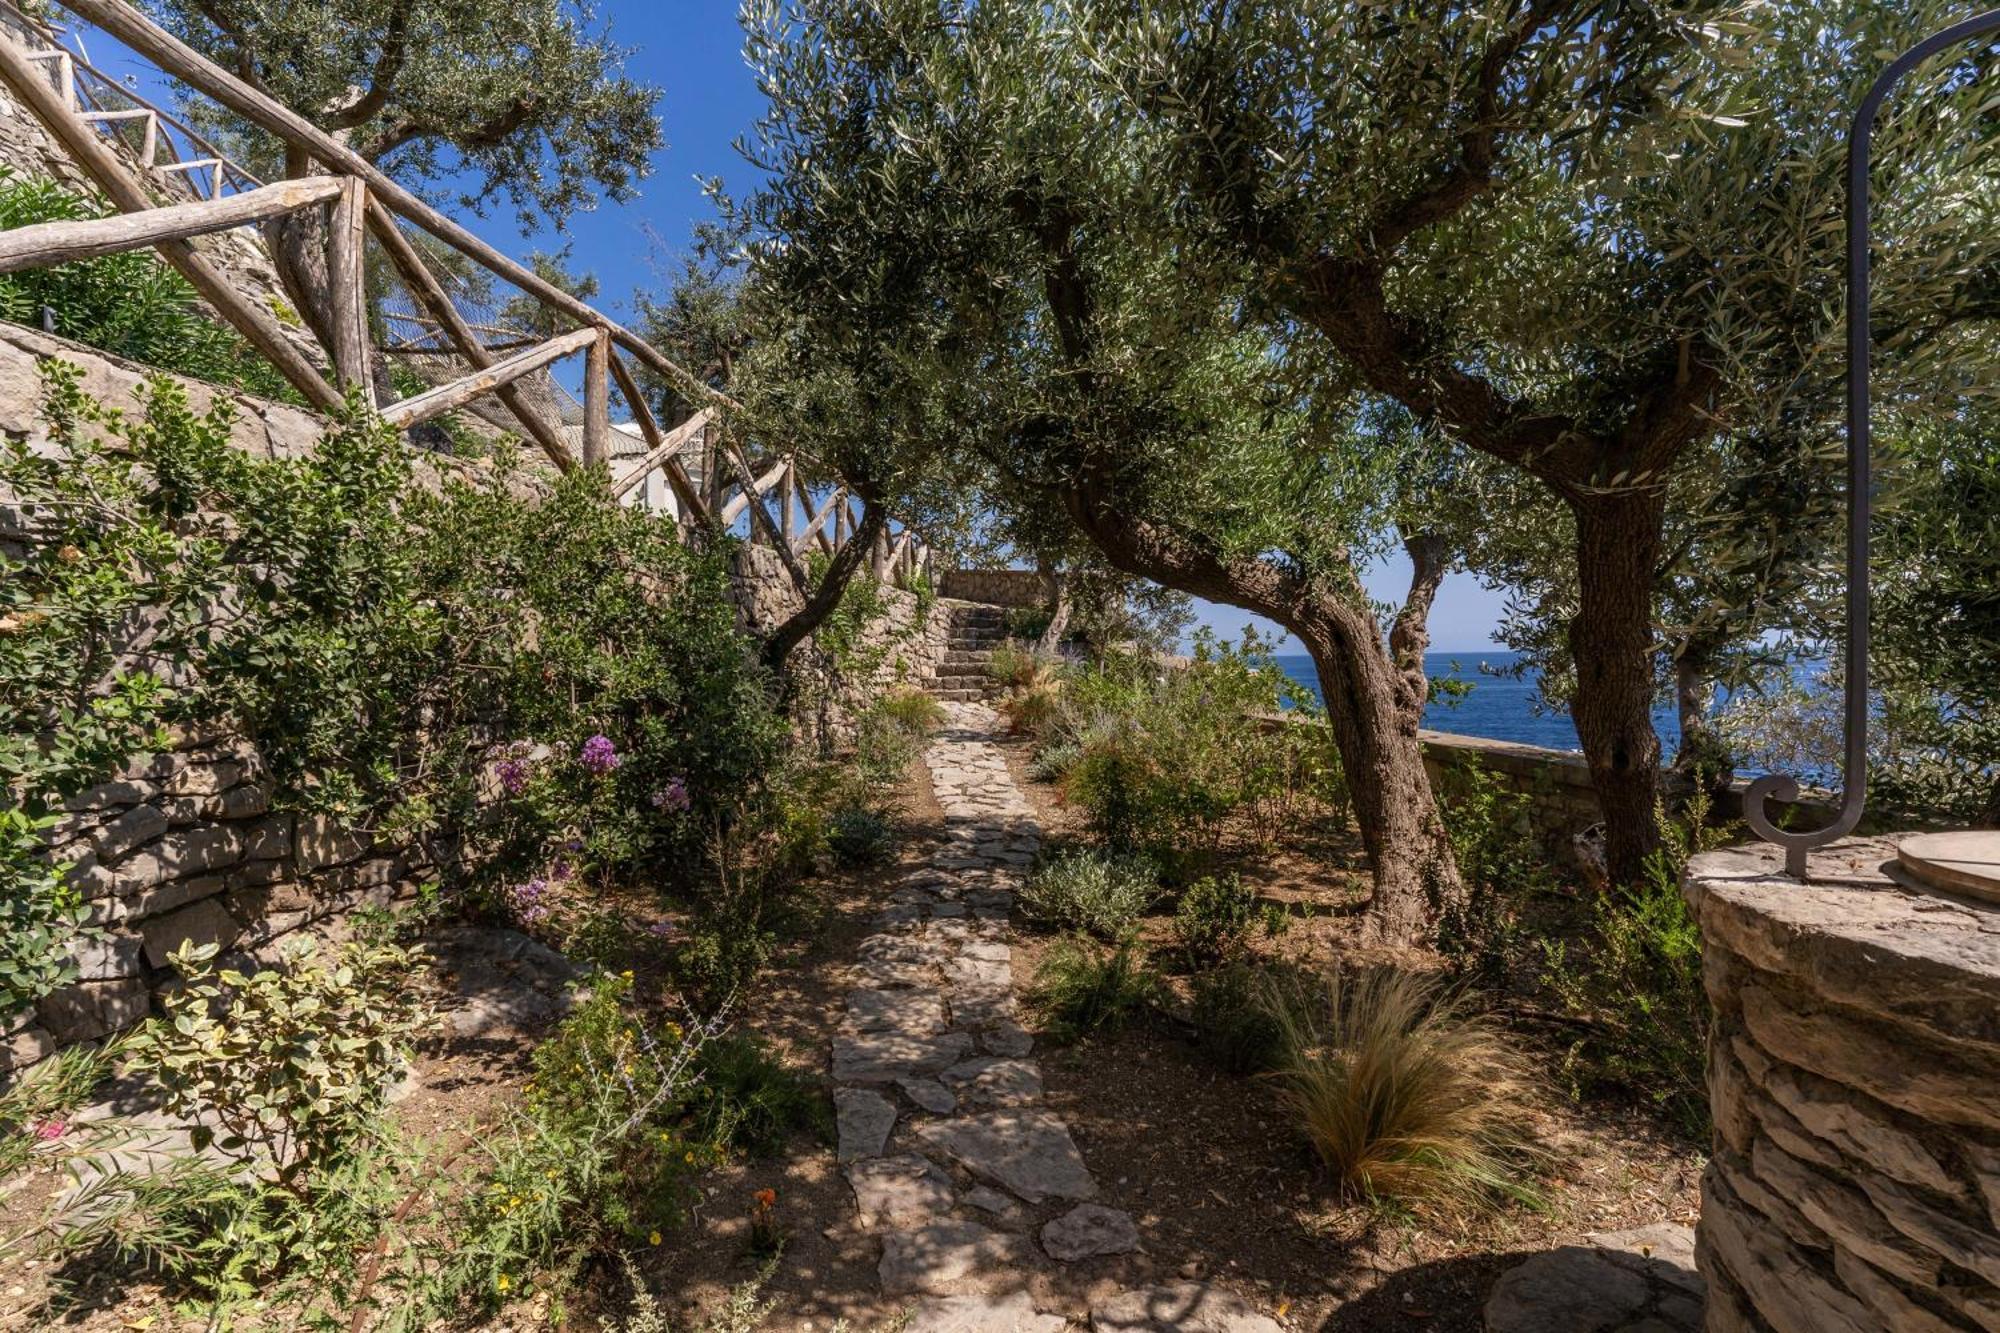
x: 654, y: 1238
x: 503, y: 1283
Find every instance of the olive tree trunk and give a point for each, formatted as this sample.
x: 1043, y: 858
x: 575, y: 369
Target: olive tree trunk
x: 1611, y: 642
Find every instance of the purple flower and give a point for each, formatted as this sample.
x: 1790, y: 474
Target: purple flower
x: 513, y: 775
x: 673, y: 796
x: 599, y: 755
x: 560, y: 871
x: 527, y: 900
x: 660, y: 928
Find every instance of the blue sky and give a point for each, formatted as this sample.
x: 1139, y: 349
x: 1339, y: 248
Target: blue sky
x: 692, y: 50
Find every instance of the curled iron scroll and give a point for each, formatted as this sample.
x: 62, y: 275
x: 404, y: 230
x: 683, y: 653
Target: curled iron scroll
x: 1854, y: 761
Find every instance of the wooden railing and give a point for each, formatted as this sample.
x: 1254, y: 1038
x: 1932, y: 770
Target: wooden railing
x: 360, y: 201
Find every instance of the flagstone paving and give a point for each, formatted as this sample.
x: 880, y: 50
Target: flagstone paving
x: 972, y: 1186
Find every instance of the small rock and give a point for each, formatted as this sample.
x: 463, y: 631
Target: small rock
x: 1007, y: 1038
x: 930, y: 1094
x: 1637, y: 1281
x: 888, y: 1189
x: 885, y: 1057
x: 989, y: 1200
x: 864, y: 1120
x: 995, y: 1081
x: 1088, y: 1230
x: 1027, y: 1152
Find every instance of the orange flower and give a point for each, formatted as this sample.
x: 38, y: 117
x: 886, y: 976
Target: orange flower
x: 766, y: 1198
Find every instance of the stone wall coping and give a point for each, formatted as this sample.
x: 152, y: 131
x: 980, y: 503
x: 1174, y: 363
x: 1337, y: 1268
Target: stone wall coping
x: 1858, y: 935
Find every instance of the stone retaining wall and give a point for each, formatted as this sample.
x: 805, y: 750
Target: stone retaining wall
x: 182, y: 846
x: 995, y: 587
x: 901, y: 647
x: 1853, y: 1071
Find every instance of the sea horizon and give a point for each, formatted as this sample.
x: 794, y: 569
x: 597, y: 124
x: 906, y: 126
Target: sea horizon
x: 1501, y: 703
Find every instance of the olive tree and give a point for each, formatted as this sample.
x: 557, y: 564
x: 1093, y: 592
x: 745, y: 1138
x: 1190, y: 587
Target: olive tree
x: 470, y: 102
x: 948, y: 217
x: 1583, y: 239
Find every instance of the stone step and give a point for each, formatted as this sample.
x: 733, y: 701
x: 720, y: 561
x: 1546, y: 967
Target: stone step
x: 968, y: 657
x: 959, y: 696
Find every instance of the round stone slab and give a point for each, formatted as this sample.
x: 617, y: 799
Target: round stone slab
x: 1964, y: 863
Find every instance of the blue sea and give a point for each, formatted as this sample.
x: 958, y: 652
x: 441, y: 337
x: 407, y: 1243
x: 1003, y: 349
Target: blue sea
x: 1501, y: 705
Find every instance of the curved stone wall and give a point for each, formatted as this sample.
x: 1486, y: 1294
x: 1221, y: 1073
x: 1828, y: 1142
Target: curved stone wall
x: 1854, y: 1070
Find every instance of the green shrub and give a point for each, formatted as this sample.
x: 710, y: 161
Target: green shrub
x: 131, y: 304
x: 1636, y: 980
x: 1052, y: 763
x: 1214, y: 918
x: 284, y: 1075
x: 859, y: 836
x: 1491, y: 828
x: 284, y: 1070
x: 1082, y: 987
x: 1081, y: 889
x: 1233, y: 1026
x: 749, y: 1102
x: 913, y: 710
x: 595, y: 1161
x: 397, y: 651
x: 1164, y: 755
x: 1404, y: 1095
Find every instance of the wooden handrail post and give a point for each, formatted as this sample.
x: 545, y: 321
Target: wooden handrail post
x: 109, y: 175
x: 347, y: 290
x: 597, y: 402
x: 430, y: 294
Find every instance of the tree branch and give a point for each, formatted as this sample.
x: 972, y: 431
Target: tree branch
x: 832, y: 586
x: 388, y: 65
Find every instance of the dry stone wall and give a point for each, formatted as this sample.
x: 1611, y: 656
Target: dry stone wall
x: 1855, y: 1182
x: 182, y: 846
x: 902, y: 646
x: 995, y: 587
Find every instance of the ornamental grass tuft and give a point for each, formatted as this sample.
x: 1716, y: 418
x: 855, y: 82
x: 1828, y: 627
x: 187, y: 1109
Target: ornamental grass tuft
x: 1405, y: 1096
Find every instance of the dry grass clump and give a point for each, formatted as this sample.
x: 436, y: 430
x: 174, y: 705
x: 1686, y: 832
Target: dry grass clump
x: 1404, y: 1095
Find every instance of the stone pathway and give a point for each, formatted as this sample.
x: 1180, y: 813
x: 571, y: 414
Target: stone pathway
x: 971, y: 1185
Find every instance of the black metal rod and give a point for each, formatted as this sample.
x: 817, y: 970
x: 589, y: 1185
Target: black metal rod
x: 1854, y: 762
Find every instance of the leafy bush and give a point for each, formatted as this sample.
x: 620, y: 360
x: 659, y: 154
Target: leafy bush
x: 1491, y: 828
x: 1637, y: 982
x: 401, y: 653
x: 130, y: 304
x: 1403, y: 1094
x: 1081, y: 987
x: 746, y: 1100
x: 594, y: 1161
x: 284, y: 1070
x: 284, y: 1075
x: 1233, y: 1025
x: 1087, y: 890
x: 1213, y: 918
x: 859, y: 836
x: 1163, y: 755
x: 912, y: 710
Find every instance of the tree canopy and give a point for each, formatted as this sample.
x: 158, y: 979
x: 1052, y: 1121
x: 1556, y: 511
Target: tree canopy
x: 525, y: 102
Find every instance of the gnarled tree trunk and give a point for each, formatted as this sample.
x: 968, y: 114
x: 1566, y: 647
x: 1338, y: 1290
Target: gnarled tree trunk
x: 1611, y: 642
x: 1374, y: 703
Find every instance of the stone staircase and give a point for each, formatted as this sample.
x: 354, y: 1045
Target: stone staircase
x: 976, y: 630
